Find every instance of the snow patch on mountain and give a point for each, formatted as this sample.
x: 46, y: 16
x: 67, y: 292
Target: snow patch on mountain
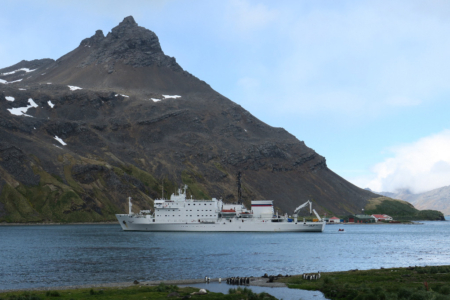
x: 18, y: 70
x: 21, y: 111
x: 10, y: 98
x: 166, y: 97
x: 74, y: 88
x: 59, y: 140
x: 6, y: 82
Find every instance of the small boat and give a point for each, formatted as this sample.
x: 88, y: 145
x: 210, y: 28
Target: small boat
x: 228, y: 213
x: 246, y: 214
x: 341, y: 229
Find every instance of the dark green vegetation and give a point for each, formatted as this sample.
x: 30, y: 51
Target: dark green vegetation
x: 121, y: 143
x: 398, y: 283
x: 246, y: 293
x: 400, y: 210
x: 436, y: 199
x: 153, y: 293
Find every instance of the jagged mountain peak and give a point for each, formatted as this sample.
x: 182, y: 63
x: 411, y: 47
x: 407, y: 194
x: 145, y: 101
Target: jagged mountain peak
x: 125, y: 27
x: 128, y: 43
x: 93, y: 40
x: 129, y: 58
x: 128, y: 21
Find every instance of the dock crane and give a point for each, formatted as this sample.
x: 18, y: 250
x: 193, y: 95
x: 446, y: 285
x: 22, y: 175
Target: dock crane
x: 311, y: 210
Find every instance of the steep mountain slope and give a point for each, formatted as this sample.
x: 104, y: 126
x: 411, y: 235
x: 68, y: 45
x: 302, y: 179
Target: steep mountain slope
x: 131, y: 118
x: 437, y: 199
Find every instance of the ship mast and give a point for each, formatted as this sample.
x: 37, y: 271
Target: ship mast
x: 239, y: 187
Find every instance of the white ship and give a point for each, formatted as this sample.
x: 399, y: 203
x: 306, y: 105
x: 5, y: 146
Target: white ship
x: 184, y: 214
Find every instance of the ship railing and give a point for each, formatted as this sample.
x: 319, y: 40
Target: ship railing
x: 197, y: 200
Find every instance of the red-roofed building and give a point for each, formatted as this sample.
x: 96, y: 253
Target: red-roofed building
x: 382, y: 218
x: 334, y: 220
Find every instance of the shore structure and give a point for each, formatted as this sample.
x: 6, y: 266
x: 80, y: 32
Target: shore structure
x: 182, y: 214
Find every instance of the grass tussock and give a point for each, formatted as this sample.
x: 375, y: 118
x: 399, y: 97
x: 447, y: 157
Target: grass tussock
x: 428, y: 283
x: 246, y: 293
x: 161, y: 291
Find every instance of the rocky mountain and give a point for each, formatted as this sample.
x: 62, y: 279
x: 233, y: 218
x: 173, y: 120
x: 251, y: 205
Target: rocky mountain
x: 437, y: 199
x: 116, y: 117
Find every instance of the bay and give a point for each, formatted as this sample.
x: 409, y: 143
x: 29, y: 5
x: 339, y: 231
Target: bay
x: 59, y: 255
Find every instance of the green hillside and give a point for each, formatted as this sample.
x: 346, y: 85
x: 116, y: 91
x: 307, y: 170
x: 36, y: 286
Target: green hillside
x: 400, y: 210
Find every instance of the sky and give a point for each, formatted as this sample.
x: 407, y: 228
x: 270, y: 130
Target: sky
x: 366, y: 84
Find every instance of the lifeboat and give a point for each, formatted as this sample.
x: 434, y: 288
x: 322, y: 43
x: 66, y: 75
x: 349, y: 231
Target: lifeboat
x: 246, y: 214
x: 228, y: 213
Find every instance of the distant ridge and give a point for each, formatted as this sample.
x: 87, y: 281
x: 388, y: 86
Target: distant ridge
x: 437, y: 199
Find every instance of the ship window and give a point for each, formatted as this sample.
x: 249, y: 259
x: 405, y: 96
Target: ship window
x: 189, y: 204
x: 198, y: 216
x: 205, y: 203
x: 191, y: 215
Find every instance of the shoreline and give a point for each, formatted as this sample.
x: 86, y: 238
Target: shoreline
x: 255, y: 281
x: 424, y: 282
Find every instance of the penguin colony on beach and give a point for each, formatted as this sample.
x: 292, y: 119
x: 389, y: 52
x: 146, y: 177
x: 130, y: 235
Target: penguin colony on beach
x: 311, y: 276
x: 238, y: 280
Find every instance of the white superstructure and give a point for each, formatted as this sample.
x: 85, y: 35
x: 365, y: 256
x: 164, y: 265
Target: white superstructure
x: 184, y: 214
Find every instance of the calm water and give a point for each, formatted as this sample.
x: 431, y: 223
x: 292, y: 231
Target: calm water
x: 37, y: 256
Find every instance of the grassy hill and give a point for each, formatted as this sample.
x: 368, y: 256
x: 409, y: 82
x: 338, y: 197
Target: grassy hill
x: 400, y: 210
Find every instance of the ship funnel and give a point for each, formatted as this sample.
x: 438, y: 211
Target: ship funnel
x: 129, y: 205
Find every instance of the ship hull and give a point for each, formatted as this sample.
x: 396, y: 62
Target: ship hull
x: 145, y: 223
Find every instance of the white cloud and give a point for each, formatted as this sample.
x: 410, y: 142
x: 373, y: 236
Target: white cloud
x: 420, y: 166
